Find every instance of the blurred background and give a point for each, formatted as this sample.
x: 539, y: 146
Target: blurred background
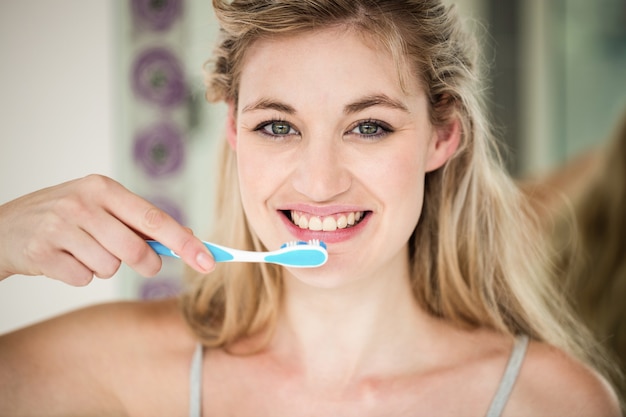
x: 115, y: 88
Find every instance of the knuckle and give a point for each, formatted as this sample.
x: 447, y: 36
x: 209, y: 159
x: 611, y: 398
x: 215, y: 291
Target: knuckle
x: 154, y: 218
x: 187, y: 243
x: 81, y: 279
x: 69, y: 204
x: 152, y: 269
x: 110, y: 269
x: 69, y: 208
x: 143, y: 260
x: 95, y: 187
x: 145, y: 264
x: 36, y: 251
x: 97, y: 182
x: 136, y: 253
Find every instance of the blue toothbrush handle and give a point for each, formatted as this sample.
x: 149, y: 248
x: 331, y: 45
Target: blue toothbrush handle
x: 161, y: 249
x: 219, y: 254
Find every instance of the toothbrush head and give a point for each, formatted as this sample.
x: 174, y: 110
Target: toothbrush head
x: 312, y: 242
x: 300, y: 254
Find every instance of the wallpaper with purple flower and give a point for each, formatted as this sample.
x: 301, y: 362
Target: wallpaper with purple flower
x: 158, y: 77
x: 157, y: 121
x: 156, y: 15
x: 159, y: 150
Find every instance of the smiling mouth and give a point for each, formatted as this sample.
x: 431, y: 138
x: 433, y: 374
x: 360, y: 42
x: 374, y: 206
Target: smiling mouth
x: 325, y: 223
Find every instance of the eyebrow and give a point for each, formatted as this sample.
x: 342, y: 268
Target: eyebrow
x: 374, y: 100
x: 268, y: 104
x: 355, y: 107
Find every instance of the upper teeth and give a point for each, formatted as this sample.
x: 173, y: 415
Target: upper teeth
x: 326, y: 223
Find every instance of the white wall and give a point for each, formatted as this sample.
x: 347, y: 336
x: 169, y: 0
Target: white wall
x: 57, y: 74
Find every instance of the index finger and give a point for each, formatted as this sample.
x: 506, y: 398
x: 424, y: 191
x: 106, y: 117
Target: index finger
x: 151, y: 221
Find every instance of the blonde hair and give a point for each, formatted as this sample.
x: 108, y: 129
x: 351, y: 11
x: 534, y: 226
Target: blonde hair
x: 477, y: 256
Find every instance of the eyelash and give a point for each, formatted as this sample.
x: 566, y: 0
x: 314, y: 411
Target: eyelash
x: 261, y: 128
x: 383, y: 129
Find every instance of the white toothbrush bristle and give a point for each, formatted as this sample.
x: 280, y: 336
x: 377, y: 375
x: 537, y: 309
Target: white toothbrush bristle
x: 312, y: 242
x: 317, y: 242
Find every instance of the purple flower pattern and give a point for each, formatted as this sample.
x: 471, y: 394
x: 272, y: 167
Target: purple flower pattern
x: 156, y: 15
x: 160, y: 150
x: 170, y: 207
x: 158, y: 78
x: 159, y: 287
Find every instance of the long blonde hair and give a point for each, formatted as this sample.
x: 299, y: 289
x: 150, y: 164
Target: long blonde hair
x: 477, y: 255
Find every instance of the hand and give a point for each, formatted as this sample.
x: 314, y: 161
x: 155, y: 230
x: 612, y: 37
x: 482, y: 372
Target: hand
x: 88, y: 227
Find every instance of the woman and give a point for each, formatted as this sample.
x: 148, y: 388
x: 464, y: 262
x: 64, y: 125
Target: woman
x: 357, y: 122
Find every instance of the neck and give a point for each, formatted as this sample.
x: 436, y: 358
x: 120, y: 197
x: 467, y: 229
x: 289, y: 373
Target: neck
x: 369, y: 325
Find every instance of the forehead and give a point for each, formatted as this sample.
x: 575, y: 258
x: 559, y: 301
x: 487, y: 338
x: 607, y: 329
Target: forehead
x: 334, y: 56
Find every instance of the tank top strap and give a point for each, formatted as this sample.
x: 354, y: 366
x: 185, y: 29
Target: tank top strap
x: 509, y: 377
x: 195, y: 382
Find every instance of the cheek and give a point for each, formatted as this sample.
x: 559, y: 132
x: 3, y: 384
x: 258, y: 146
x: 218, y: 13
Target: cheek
x: 401, y: 174
x: 259, y: 175
x: 251, y: 176
x: 249, y: 168
x: 401, y: 179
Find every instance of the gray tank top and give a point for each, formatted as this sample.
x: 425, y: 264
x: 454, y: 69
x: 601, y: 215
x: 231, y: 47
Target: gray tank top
x: 495, y: 409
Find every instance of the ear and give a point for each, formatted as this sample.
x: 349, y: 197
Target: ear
x: 444, y: 143
x: 231, y: 125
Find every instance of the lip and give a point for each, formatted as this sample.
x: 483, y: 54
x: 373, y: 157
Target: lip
x: 337, y: 236
x: 323, y: 211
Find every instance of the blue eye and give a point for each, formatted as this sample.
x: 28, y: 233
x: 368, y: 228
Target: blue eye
x: 276, y: 128
x: 371, y: 129
x: 368, y: 128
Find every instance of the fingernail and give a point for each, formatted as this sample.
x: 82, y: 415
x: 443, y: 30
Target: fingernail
x: 205, y: 262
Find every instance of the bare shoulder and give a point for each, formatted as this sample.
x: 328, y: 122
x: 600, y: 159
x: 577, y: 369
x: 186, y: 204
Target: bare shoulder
x: 87, y: 361
x: 554, y: 383
x: 116, y: 323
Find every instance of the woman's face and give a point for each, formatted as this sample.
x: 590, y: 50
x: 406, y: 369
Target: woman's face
x: 330, y: 147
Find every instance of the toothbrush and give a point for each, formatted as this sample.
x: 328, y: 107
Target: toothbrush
x: 297, y: 254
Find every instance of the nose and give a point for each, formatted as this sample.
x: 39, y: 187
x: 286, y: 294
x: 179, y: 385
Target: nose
x: 321, y: 172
